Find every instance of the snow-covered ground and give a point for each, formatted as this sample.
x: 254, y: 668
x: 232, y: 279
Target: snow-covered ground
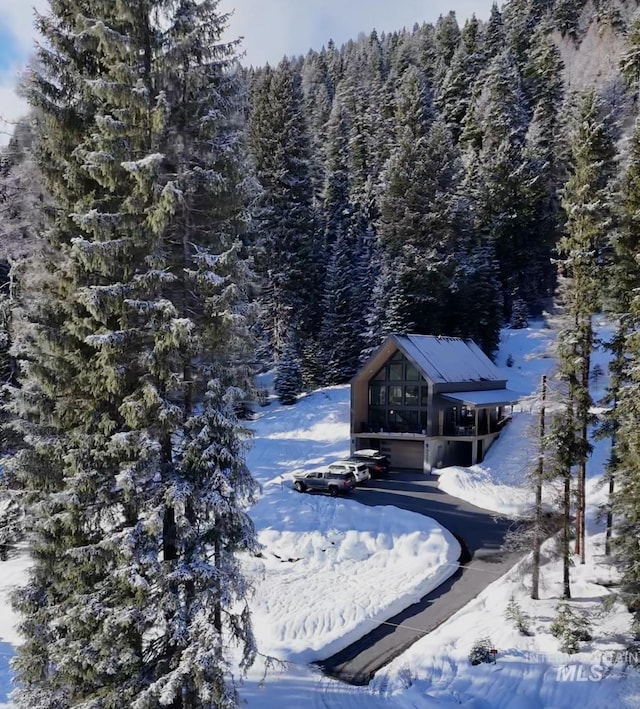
x: 331, y: 568
x: 324, y: 559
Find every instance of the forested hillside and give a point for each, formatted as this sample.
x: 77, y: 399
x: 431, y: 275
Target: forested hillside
x: 409, y: 180
x: 414, y: 180
x: 176, y: 222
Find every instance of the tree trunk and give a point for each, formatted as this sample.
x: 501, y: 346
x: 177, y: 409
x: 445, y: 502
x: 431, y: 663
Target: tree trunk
x: 582, y: 502
x: 607, y: 542
x: 566, y: 536
x: 537, y: 538
x: 612, y: 467
x: 582, y: 469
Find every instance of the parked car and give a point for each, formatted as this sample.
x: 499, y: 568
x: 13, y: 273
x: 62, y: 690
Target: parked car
x: 334, y: 482
x: 360, y: 470
x: 377, y: 463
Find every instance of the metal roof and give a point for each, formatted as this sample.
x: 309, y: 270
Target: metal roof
x: 489, y: 397
x: 448, y: 359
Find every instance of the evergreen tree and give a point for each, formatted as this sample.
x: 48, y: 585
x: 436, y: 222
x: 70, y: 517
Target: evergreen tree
x: 415, y: 228
x: 382, y: 318
x: 544, y: 168
x: 285, y: 251
x: 475, y: 304
x: 133, y: 356
x: 520, y: 18
x: 337, y: 208
x: 566, y: 16
x: 517, y: 617
x: 22, y: 197
x: 494, y: 38
x: 562, y: 441
x: 318, y: 95
x: 339, y: 343
x: 466, y: 64
x: 630, y: 60
x: 570, y: 627
x: 426, y: 52
x: 498, y: 179
x: 342, y: 327
x: 623, y: 279
x: 447, y: 36
x: 586, y: 201
x: 288, y: 379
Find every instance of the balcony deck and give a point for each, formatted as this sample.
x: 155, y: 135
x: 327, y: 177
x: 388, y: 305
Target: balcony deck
x: 463, y: 433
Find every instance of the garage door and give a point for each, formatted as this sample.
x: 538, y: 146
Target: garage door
x: 407, y: 454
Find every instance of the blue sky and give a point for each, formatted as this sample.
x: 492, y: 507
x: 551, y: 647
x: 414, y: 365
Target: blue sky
x: 9, y: 48
x: 271, y: 29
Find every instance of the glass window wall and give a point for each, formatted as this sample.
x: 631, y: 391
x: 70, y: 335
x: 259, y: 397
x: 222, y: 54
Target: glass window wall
x: 398, y: 398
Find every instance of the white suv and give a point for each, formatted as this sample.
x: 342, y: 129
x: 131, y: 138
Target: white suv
x: 360, y: 470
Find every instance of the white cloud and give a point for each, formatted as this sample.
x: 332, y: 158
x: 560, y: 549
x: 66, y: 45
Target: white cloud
x: 17, y: 20
x: 272, y: 28
x: 12, y: 106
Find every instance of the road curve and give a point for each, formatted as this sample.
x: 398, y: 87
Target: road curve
x: 481, y: 535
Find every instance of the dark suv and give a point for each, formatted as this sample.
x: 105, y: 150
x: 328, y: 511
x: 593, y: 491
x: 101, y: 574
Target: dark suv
x: 377, y: 462
x: 326, y: 480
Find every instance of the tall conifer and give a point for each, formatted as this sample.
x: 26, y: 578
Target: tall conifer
x: 286, y: 251
x: 587, y: 204
x: 133, y: 352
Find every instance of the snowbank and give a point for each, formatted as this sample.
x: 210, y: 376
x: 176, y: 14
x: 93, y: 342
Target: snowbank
x: 332, y: 568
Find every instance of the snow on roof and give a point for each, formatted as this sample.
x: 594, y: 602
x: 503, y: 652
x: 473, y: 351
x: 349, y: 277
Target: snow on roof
x: 448, y: 359
x: 489, y: 397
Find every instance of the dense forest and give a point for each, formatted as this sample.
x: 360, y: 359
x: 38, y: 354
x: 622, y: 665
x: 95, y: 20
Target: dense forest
x: 414, y: 180
x: 175, y: 223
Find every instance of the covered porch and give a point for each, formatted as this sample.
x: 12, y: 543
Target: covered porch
x: 474, y: 413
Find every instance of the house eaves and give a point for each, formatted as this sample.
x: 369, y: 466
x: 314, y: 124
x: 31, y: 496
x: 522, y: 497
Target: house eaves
x: 487, y: 397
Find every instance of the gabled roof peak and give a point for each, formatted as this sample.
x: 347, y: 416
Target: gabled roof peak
x: 446, y: 359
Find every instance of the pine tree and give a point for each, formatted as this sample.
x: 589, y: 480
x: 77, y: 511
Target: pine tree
x: 286, y: 252
x: 447, y: 36
x: 520, y: 18
x: 133, y: 352
x: 537, y: 478
x: 623, y: 280
x: 382, y: 318
x: 570, y: 627
x: 494, y: 38
x: 586, y: 201
x: 543, y: 167
x: 498, y: 177
x: 517, y: 617
x: 22, y: 197
x: 630, y: 60
x: 318, y: 96
x: 481, y: 651
x: 475, y: 305
x: 339, y: 341
x: 562, y: 440
x: 566, y: 16
x: 426, y: 52
x: 456, y: 89
x: 414, y: 229
x: 288, y: 379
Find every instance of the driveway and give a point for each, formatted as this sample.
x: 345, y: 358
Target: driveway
x: 481, y: 535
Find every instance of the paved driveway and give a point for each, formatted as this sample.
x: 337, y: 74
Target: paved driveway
x: 481, y: 535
